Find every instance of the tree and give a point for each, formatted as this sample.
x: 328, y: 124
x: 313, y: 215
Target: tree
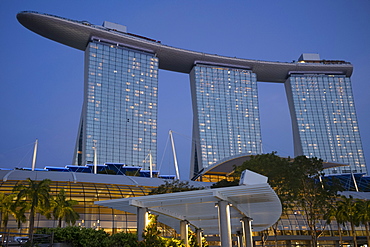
x: 6, y: 208
x: 278, y: 170
x: 312, y: 195
x: 297, y: 182
x: 36, y: 193
x: 280, y: 177
x: 173, y: 186
x: 333, y: 213
x: 363, y: 214
x: 347, y: 209
x: 63, y: 209
x: 9, y: 206
x: 151, y: 234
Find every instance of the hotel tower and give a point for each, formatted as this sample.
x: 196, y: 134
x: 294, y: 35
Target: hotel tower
x: 119, y: 114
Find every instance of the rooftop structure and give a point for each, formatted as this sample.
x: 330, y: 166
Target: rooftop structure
x: 78, y: 34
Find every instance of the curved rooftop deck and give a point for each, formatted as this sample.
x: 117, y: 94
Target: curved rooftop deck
x: 77, y: 34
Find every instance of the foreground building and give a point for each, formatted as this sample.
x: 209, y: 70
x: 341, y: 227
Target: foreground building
x: 119, y: 116
x: 90, y: 189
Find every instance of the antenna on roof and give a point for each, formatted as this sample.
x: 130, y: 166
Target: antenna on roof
x: 34, y: 155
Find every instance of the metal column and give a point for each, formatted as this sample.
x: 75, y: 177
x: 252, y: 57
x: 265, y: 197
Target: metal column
x: 247, y: 231
x: 184, y: 231
x: 142, y: 222
x: 239, y: 238
x: 199, y: 237
x: 224, y: 223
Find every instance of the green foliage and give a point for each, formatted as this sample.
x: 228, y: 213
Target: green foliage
x: 63, y: 209
x: 173, y: 186
x: 86, y: 237
x: 225, y: 183
x: 152, y: 237
x: 121, y: 239
x: 36, y: 193
x: 363, y: 215
x: 89, y: 237
x: 193, y: 239
x: 77, y: 236
x: 6, y: 208
x: 172, y: 242
x: 298, y: 184
x: 278, y: 171
x: 151, y: 234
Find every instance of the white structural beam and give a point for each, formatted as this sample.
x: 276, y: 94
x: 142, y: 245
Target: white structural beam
x: 174, y: 155
x: 168, y: 201
x: 34, y: 155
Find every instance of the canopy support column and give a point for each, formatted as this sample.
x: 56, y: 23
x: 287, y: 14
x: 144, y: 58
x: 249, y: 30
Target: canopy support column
x: 199, y: 237
x: 247, y: 231
x: 142, y: 222
x: 224, y: 223
x: 239, y: 239
x: 184, y: 227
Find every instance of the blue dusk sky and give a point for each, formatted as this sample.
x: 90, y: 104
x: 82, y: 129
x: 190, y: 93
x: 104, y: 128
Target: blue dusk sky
x: 42, y: 81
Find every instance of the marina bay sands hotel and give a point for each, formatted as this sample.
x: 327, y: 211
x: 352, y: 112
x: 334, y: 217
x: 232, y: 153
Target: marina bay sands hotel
x: 119, y: 114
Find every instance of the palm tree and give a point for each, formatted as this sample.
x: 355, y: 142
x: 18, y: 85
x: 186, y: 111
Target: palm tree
x: 63, y: 209
x: 6, y: 208
x: 363, y: 213
x: 333, y: 213
x: 38, y: 197
x: 347, y: 211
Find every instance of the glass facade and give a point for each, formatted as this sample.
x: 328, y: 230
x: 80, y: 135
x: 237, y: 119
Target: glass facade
x: 324, y: 120
x: 226, y: 114
x: 119, y: 115
x: 91, y: 215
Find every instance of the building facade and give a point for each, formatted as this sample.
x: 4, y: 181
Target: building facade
x: 225, y: 114
x: 324, y: 120
x: 119, y: 116
x: 88, y: 188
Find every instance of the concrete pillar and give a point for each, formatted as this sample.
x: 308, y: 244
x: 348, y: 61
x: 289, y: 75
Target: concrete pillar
x: 199, y: 231
x: 142, y: 222
x: 247, y: 231
x: 184, y: 231
x: 224, y: 223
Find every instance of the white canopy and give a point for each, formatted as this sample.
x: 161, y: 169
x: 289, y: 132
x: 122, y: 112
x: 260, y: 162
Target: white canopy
x: 257, y: 201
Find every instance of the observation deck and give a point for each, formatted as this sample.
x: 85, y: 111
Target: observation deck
x: 78, y: 34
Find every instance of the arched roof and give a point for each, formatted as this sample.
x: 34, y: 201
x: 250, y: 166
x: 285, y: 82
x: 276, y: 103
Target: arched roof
x: 77, y: 34
x: 226, y: 166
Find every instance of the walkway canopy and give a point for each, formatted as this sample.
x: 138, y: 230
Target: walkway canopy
x: 254, y: 199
